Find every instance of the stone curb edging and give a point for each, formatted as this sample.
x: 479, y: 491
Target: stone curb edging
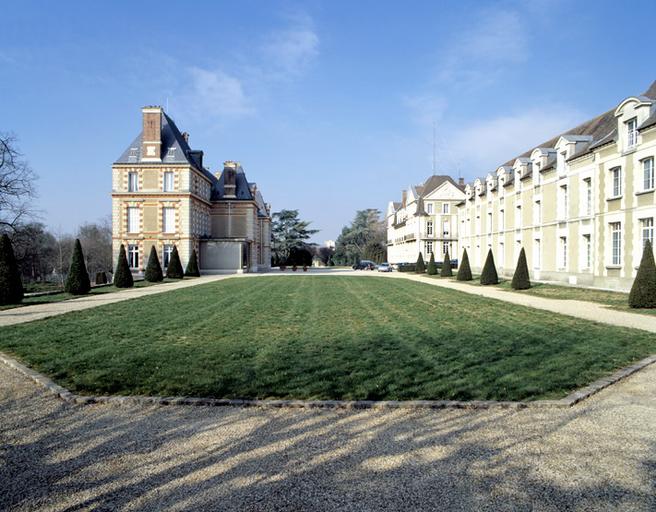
x: 570, y: 400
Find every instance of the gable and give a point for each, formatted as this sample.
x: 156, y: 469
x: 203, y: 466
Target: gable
x: 447, y: 190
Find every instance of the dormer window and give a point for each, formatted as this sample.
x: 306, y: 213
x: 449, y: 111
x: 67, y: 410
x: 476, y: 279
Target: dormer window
x: 560, y: 161
x: 631, y: 132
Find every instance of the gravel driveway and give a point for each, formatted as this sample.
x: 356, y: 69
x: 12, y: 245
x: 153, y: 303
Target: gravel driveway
x: 600, y: 455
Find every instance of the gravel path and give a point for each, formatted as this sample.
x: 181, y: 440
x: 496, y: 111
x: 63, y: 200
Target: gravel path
x: 600, y: 455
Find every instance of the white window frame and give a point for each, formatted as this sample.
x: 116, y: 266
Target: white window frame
x: 167, y: 250
x: 168, y: 219
x: 518, y: 216
x: 648, y: 174
x: 134, y: 220
x: 445, y: 246
x: 616, y: 182
x: 446, y: 228
x: 502, y: 254
x: 632, y: 133
x: 588, y: 196
x: 429, y: 228
x: 563, y: 252
x: 445, y: 209
x: 489, y: 223
x: 133, y: 181
x: 133, y: 256
x: 587, y: 251
x: 615, y: 243
x: 168, y: 181
x: 502, y: 219
x: 429, y: 208
x: 537, y: 212
x: 428, y: 247
x: 646, y: 231
x: 537, y: 254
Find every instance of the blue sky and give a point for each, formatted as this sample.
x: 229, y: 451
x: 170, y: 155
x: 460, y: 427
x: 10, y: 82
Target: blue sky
x: 328, y: 105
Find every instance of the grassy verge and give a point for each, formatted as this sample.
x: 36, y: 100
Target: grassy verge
x: 59, y: 297
x: 614, y: 300
x: 325, y: 338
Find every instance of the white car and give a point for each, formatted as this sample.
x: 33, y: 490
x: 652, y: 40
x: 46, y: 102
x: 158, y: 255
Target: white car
x: 384, y: 267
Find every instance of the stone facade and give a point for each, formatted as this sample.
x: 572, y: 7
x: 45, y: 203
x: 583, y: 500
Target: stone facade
x: 163, y: 196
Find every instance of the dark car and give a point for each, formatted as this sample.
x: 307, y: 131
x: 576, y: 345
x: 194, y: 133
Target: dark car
x: 365, y: 265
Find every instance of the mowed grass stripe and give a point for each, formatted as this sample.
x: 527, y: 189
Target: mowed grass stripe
x: 323, y: 337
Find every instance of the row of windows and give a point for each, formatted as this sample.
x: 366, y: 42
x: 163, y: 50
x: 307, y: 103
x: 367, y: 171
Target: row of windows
x: 615, y: 230
x: 133, y: 255
x: 168, y: 184
x: 428, y: 247
x: 134, y: 220
x: 445, y: 208
x: 446, y: 228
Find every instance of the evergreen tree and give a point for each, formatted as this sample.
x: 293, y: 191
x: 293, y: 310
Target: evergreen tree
x: 11, y: 287
x: 431, y: 269
x: 643, y: 291
x: 192, y: 269
x: 174, y: 270
x: 521, y: 280
x: 77, y: 281
x: 420, y: 268
x: 123, y: 277
x: 464, y: 271
x: 153, y: 272
x: 446, y: 265
x: 489, y: 274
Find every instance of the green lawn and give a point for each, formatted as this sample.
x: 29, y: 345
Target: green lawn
x: 323, y: 337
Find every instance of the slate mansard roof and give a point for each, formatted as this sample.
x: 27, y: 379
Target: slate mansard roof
x: 176, y: 150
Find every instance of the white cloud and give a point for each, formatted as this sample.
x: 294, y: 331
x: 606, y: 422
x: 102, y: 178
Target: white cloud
x: 485, y: 49
x: 216, y: 93
x: 485, y: 145
x: 290, y: 51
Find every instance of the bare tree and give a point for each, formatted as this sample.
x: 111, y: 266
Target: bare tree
x: 16, y: 184
x: 96, y: 240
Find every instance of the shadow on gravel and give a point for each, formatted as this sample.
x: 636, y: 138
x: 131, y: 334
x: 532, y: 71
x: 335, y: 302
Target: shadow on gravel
x: 67, y: 458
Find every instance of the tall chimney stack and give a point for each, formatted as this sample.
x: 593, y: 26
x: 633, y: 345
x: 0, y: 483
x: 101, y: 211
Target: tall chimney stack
x: 461, y: 182
x: 151, y: 139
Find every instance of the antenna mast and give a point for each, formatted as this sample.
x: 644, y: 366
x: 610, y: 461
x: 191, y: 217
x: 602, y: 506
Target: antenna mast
x: 433, y: 147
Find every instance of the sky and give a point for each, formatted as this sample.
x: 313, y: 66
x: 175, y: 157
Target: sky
x: 330, y: 106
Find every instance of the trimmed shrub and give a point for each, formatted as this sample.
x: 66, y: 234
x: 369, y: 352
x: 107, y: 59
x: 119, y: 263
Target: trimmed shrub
x: 192, y: 269
x: 521, y: 280
x: 11, y: 286
x: 643, y: 291
x: 406, y: 267
x: 489, y: 274
x: 431, y: 269
x: 153, y: 272
x: 420, y: 267
x: 101, y: 278
x: 446, y: 265
x: 464, y: 270
x: 174, y: 270
x: 123, y: 277
x: 77, y: 281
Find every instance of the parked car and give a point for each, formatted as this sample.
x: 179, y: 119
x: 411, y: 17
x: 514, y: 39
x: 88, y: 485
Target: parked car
x: 365, y: 265
x: 384, y: 267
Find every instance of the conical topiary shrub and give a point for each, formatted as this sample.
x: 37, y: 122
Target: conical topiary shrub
x: 77, y: 281
x: 521, y: 279
x: 643, y: 291
x: 489, y: 274
x: 123, y: 276
x: 431, y: 269
x: 420, y: 268
x: 446, y: 265
x: 11, y: 286
x: 464, y: 271
x: 174, y: 270
x: 153, y: 272
x: 192, y: 269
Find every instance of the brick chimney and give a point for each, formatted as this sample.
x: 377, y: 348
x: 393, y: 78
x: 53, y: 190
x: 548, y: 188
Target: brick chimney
x: 151, y: 140
x: 229, y: 178
x: 404, y: 197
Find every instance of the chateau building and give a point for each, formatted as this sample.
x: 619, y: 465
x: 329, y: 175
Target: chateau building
x: 425, y: 221
x: 162, y: 196
x: 580, y: 204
